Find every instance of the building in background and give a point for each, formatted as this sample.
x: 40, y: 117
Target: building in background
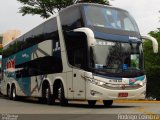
x: 5, y: 38
x: 10, y: 35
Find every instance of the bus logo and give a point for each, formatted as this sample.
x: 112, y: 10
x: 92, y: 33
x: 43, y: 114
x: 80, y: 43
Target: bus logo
x: 25, y: 55
x: 133, y: 38
x: 132, y: 81
x: 10, y: 64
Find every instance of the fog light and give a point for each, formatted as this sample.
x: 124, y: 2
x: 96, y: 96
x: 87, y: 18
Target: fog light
x: 92, y: 92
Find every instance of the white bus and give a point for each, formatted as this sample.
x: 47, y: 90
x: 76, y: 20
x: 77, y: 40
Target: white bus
x: 85, y: 52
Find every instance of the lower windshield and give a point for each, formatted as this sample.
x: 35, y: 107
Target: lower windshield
x: 117, y: 59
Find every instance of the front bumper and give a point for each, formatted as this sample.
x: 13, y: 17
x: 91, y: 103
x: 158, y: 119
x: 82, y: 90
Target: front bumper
x: 95, y: 92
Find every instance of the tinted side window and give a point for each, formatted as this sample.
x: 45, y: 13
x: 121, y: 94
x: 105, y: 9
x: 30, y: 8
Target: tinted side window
x: 77, y: 50
x: 41, y: 33
x: 71, y: 18
x: 40, y: 66
x: 45, y: 60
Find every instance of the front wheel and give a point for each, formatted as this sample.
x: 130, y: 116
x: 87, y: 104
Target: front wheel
x: 158, y: 99
x: 61, y: 96
x: 107, y: 103
x: 91, y: 103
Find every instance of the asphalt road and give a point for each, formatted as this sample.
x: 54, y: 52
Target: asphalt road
x: 31, y: 109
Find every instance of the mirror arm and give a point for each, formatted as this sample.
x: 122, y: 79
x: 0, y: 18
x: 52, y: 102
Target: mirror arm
x: 154, y: 42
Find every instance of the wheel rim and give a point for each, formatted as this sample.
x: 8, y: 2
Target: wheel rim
x: 8, y: 92
x: 59, y: 93
x: 14, y: 93
x: 47, y: 90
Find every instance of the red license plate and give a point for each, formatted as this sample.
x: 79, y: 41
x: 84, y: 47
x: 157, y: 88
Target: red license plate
x: 122, y: 94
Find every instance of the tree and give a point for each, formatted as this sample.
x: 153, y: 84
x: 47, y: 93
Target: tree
x: 46, y: 8
x: 152, y: 66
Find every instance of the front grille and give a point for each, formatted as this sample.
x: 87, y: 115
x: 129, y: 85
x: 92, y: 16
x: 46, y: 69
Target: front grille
x: 121, y: 87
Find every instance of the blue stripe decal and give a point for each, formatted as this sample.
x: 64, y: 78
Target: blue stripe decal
x: 25, y: 85
x: 141, y: 78
x: 20, y: 57
x: 120, y: 38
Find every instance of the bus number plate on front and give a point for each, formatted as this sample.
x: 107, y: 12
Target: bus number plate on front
x: 123, y: 95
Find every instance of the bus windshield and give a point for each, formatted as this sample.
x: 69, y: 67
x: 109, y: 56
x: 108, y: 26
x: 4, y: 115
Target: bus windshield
x: 110, y: 18
x: 117, y: 59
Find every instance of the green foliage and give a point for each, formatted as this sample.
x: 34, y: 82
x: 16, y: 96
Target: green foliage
x: 46, y: 8
x: 133, y: 63
x: 152, y: 66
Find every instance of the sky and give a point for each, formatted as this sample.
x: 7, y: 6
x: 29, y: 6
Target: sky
x: 145, y: 13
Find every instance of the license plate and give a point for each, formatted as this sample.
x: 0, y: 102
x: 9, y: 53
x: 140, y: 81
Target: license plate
x: 122, y: 94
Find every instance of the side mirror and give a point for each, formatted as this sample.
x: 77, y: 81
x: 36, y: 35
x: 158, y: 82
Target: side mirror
x: 154, y: 42
x: 89, y: 33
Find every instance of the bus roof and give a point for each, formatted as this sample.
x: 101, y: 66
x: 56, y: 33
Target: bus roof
x: 90, y: 4
x: 62, y: 11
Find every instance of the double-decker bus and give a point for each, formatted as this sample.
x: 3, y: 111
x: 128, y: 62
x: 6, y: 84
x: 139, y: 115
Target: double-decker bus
x: 84, y: 52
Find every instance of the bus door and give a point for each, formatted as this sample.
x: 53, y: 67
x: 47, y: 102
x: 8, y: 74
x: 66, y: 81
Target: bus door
x: 79, y: 83
x: 76, y: 44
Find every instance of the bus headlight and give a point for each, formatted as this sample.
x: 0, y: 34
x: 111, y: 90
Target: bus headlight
x: 141, y: 83
x: 96, y: 82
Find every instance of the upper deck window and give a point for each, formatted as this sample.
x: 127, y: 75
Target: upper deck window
x: 110, y: 18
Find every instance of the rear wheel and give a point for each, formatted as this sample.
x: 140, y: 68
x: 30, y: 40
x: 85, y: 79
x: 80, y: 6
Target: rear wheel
x: 46, y: 96
x: 91, y: 103
x: 13, y: 93
x: 49, y: 96
x: 42, y: 100
x: 107, y: 103
x: 8, y: 92
x: 61, y: 96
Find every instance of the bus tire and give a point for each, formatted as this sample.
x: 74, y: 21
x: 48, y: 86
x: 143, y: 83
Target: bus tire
x: 158, y: 99
x: 8, y: 92
x: 107, y: 103
x: 41, y: 100
x: 13, y: 93
x: 46, y: 96
x: 91, y: 103
x: 61, y: 96
x: 49, y: 96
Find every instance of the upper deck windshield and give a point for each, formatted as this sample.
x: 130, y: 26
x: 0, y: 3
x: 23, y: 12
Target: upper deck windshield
x: 110, y: 18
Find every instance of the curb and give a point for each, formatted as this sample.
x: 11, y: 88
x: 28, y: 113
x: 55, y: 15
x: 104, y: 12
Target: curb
x: 136, y: 101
